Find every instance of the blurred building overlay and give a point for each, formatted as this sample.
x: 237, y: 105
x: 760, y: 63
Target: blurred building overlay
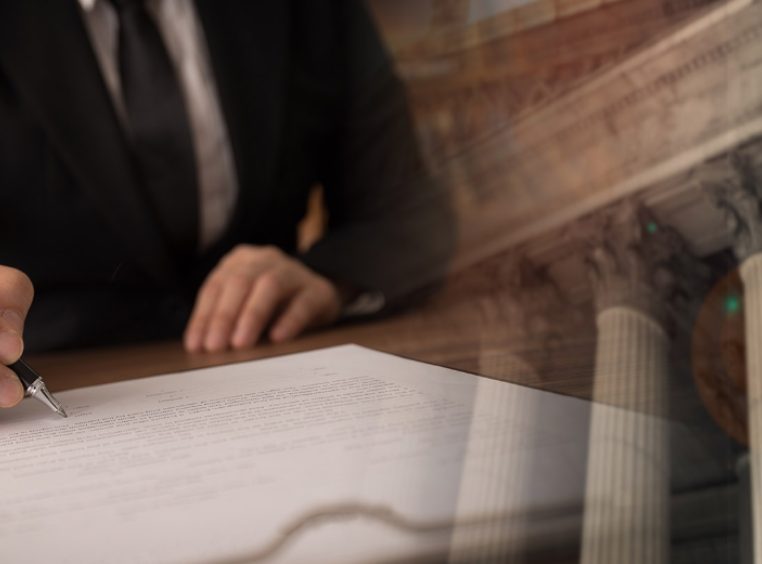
x: 605, y: 159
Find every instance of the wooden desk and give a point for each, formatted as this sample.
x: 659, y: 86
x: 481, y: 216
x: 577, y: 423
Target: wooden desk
x: 86, y: 367
x: 439, y: 335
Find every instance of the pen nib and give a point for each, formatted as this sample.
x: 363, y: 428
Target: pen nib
x: 40, y: 392
x: 54, y: 403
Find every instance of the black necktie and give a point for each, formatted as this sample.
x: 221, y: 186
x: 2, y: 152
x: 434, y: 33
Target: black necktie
x: 158, y: 125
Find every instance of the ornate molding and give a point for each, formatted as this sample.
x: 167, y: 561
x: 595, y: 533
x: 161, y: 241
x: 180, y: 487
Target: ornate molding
x: 717, y: 54
x: 617, y: 264
x: 736, y: 190
x: 635, y: 261
x: 479, y: 108
x: 599, y: 108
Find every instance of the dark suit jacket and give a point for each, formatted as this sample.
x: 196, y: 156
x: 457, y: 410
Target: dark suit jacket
x: 309, y: 96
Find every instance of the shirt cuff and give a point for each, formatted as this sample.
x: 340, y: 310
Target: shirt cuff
x: 365, y: 303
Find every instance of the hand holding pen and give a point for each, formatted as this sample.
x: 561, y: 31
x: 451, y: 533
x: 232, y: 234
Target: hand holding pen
x: 17, y: 379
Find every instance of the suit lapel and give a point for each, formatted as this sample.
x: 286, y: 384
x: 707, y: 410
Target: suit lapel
x: 45, y: 48
x: 247, y: 43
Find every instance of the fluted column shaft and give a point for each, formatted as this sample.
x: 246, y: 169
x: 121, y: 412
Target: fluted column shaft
x: 751, y: 273
x: 500, y: 456
x: 627, y: 491
x: 632, y: 266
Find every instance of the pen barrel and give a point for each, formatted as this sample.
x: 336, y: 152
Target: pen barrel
x: 25, y: 373
x: 35, y: 387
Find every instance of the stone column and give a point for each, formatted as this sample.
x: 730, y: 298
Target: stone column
x: 739, y: 196
x: 627, y: 488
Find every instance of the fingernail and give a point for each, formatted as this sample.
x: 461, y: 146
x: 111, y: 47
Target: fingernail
x: 215, y: 342
x: 239, y: 341
x: 243, y: 338
x: 11, y: 391
x: 192, y: 342
x: 280, y: 333
x: 11, y: 346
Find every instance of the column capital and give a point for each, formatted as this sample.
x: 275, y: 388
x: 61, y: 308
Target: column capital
x: 735, y: 188
x: 635, y: 261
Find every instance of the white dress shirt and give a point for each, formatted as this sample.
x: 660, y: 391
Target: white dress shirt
x: 182, y: 33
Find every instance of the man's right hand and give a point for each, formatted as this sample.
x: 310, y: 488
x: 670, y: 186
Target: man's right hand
x: 16, y: 293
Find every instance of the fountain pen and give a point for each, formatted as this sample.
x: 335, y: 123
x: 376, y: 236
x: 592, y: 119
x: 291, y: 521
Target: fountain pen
x: 35, y: 387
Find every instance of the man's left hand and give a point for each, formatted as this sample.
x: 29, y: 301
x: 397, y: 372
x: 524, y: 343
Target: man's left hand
x: 255, y: 287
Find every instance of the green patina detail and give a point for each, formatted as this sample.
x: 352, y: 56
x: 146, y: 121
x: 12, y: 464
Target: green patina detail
x: 732, y: 304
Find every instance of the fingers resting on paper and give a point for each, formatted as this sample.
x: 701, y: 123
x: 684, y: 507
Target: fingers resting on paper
x: 16, y: 294
x: 255, y: 291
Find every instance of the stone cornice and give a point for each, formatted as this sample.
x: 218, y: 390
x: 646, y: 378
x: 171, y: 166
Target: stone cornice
x: 733, y: 40
x: 649, y: 119
x: 588, y: 95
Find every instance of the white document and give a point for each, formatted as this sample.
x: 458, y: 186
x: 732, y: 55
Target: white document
x: 337, y: 455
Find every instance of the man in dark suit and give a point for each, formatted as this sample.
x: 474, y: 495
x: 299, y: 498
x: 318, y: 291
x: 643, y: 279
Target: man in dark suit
x: 156, y: 157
